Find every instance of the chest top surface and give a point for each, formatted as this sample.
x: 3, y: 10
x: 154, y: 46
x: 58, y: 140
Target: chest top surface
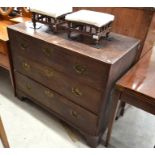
x: 110, y: 52
x: 141, y: 78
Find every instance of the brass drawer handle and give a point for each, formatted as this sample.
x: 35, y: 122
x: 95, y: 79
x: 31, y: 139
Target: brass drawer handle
x: 26, y: 66
x: 80, y: 69
x: 28, y: 87
x: 47, y: 51
x: 74, y: 114
x: 48, y: 73
x: 23, y: 46
x: 76, y: 92
x: 49, y: 93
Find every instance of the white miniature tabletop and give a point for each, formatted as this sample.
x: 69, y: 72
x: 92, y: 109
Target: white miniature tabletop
x: 90, y: 17
x: 54, y: 12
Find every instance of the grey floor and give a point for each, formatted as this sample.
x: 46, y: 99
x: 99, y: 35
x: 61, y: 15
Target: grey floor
x: 27, y: 125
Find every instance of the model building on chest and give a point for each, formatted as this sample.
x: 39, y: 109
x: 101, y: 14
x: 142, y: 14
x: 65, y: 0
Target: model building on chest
x: 70, y: 79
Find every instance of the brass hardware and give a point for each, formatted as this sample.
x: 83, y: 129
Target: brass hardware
x: 47, y: 51
x: 49, y: 93
x: 23, y: 46
x: 26, y: 66
x: 76, y: 92
x: 48, y: 73
x: 79, y: 69
x: 28, y: 87
x: 74, y: 114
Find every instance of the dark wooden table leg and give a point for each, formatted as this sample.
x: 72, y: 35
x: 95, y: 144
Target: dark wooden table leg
x: 34, y: 20
x: 69, y: 30
x: 121, y: 110
x: 3, y: 135
x: 115, y: 99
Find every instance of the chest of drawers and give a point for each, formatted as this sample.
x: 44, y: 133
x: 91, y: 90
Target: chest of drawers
x: 70, y: 79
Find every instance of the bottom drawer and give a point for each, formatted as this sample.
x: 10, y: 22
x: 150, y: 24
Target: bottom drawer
x: 71, y: 112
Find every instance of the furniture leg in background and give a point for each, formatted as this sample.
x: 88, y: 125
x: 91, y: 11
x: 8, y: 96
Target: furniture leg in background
x: 3, y: 136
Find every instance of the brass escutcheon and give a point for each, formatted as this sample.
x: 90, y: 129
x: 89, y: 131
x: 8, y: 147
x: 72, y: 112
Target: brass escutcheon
x: 23, y: 46
x: 49, y: 93
x: 76, y: 92
x: 26, y: 66
x: 74, y: 114
x: 28, y: 87
x: 47, y: 51
x: 48, y: 73
x: 80, y: 69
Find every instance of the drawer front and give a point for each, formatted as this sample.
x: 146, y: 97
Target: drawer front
x: 74, y: 90
x: 85, y: 69
x: 76, y: 115
x: 3, y: 47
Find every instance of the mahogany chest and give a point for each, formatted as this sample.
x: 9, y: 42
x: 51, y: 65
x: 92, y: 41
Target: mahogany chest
x: 70, y: 79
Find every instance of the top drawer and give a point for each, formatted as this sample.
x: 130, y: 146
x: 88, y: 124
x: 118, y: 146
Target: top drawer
x: 85, y: 69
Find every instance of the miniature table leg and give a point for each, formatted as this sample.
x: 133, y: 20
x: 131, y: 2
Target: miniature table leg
x: 69, y: 30
x: 115, y: 99
x: 34, y: 20
x: 35, y: 25
x: 3, y: 135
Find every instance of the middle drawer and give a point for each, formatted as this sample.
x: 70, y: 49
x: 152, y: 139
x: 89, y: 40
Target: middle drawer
x: 74, y: 90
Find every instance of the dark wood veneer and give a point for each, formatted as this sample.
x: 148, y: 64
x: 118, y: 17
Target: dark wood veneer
x: 92, y: 71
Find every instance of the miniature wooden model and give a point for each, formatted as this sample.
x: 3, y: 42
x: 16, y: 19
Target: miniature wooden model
x: 54, y: 17
x: 90, y: 23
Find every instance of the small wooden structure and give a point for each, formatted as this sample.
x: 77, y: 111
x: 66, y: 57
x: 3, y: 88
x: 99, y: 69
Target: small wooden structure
x: 97, y: 26
x: 53, y: 17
